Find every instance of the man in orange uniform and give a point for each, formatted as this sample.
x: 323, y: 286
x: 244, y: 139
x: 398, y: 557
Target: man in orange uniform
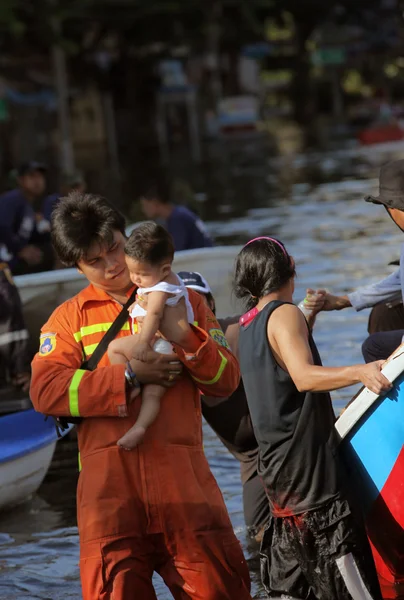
x: 158, y: 507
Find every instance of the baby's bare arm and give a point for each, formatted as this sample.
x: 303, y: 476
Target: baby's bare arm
x: 151, y: 322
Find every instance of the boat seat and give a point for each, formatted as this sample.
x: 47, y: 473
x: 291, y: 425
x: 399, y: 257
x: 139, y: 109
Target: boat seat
x: 24, y: 432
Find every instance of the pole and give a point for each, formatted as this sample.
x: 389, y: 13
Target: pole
x: 66, y: 158
x: 110, y: 126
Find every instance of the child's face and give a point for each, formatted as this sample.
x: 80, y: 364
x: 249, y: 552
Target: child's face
x: 145, y: 275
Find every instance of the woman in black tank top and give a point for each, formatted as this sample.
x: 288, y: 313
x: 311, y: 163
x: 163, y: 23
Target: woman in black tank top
x: 315, y: 546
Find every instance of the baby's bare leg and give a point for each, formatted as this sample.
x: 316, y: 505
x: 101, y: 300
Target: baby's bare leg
x: 121, y: 350
x: 151, y: 397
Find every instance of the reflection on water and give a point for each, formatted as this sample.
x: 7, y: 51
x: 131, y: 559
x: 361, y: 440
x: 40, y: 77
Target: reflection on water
x: 339, y: 243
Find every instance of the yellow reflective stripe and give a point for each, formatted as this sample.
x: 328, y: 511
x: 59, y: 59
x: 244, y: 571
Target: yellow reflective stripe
x: 218, y: 374
x: 79, y: 461
x: 97, y: 328
x: 89, y: 349
x: 74, y: 392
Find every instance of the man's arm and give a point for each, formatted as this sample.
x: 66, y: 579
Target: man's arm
x: 388, y: 289
x: 382, y: 291
x: 211, y: 364
x: 289, y: 340
x: 59, y: 387
x: 11, y: 208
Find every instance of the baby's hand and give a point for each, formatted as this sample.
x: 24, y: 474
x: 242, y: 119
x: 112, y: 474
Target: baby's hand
x: 131, y: 307
x: 141, y: 350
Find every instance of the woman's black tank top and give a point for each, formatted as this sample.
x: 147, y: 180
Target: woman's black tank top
x: 295, y: 430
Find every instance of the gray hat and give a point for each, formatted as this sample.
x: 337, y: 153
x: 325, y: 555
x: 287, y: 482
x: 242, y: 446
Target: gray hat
x: 391, y: 186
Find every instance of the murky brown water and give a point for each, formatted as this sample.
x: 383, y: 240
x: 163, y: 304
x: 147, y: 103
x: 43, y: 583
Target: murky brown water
x: 339, y: 242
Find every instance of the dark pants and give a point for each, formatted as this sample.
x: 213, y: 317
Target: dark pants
x: 379, y: 346
x: 323, y: 554
x: 256, y: 506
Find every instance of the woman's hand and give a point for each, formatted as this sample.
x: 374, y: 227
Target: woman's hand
x: 372, y: 377
x: 161, y: 369
x: 319, y: 300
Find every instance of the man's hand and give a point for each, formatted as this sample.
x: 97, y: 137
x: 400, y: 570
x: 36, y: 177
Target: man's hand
x: 22, y: 380
x: 320, y: 300
x: 162, y: 369
x: 141, y: 351
x: 372, y: 377
x: 31, y: 254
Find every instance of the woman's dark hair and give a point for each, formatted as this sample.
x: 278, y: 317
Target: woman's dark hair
x: 150, y: 243
x: 262, y: 267
x: 78, y: 221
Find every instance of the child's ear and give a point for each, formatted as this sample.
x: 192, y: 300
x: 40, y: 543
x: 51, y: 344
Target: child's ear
x: 166, y: 269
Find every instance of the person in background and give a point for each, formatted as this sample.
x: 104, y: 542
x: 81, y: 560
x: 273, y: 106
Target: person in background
x: 22, y: 250
x: 185, y: 227
x: 14, y: 355
x: 71, y: 182
x: 230, y: 419
x: 379, y: 345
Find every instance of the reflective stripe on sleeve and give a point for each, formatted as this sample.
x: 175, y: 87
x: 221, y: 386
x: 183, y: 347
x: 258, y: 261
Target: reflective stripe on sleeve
x: 74, y: 392
x: 218, y: 374
x: 89, y: 349
x: 97, y: 328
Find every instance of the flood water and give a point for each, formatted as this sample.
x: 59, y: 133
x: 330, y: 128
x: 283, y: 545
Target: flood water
x: 338, y: 242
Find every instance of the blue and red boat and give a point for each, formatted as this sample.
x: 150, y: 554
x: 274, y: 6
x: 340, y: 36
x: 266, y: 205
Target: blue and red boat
x: 372, y: 431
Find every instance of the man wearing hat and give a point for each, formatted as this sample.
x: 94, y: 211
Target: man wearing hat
x: 230, y: 419
x: 22, y: 249
x: 380, y: 345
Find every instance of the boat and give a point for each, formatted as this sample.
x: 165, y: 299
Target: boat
x: 27, y: 444
x: 372, y: 435
x: 41, y: 293
x: 381, y: 133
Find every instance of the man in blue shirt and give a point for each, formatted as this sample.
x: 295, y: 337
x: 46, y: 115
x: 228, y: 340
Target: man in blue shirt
x: 21, y: 246
x: 186, y: 228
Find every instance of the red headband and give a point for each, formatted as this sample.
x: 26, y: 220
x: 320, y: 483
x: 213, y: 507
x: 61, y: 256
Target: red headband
x: 269, y: 239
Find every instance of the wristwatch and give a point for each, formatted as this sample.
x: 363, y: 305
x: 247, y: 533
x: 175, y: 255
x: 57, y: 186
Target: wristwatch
x: 130, y: 376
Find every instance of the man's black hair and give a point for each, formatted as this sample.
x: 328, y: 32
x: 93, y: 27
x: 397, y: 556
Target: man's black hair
x: 150, y: 243
x: 78, y: 221
x: 157, y: 188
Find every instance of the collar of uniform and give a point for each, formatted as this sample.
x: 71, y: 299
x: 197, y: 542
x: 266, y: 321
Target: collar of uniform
x: 93, y: 294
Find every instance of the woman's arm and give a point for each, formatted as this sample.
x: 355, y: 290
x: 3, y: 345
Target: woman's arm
x: 289, y: 339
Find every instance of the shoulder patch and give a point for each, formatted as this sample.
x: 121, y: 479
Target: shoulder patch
x: 218, y: 336
x: 47, y: 343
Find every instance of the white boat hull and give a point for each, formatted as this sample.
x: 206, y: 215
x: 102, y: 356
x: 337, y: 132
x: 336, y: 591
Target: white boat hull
x: 41, y: 293
x: 21, y: 477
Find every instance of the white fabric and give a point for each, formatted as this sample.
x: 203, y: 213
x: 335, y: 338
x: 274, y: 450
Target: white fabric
x: 352, y: 578
x: 163, y: 346
x: 177, y: 292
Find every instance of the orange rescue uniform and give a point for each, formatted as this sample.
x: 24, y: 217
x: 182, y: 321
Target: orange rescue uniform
x: 158, y: 507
